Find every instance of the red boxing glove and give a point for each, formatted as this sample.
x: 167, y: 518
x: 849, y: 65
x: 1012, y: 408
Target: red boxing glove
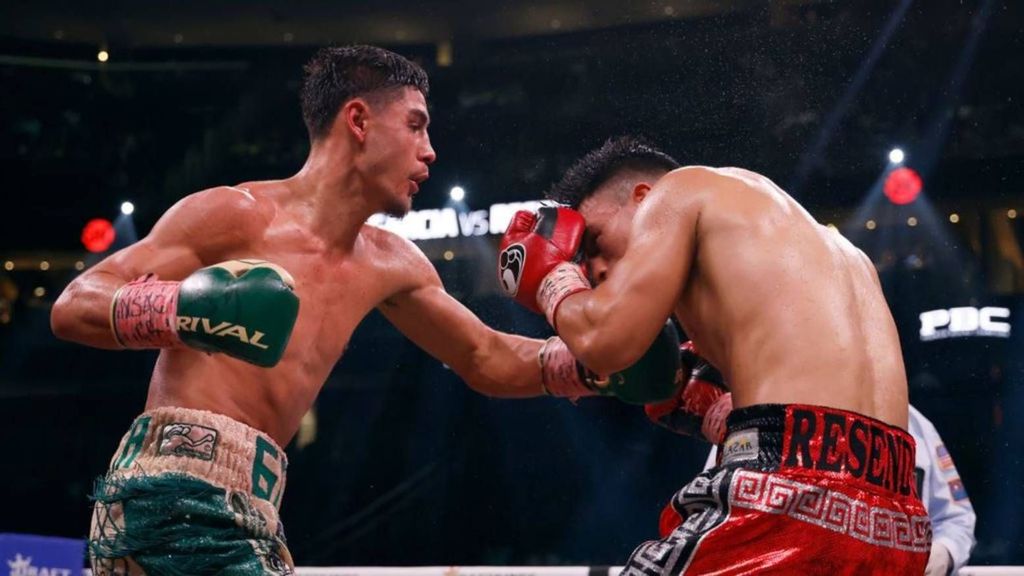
x: 712, y: 426
x: 700, y: 406
x: 537, y: 264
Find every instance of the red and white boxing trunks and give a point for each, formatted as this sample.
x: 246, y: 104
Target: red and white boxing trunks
x: 798, y: 490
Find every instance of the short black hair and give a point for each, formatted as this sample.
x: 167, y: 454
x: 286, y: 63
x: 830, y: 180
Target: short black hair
x: 600, y: 165
x: 339, y: 73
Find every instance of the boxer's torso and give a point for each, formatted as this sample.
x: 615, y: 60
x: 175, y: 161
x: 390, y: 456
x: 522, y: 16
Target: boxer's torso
x: 788, y: 309
x: 336, y: 289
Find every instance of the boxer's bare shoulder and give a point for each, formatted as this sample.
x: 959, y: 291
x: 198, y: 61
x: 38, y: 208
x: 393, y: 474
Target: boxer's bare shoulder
x: 198, y: 230
x: 705, y: 177
x: 713, y: 196
x: 398, y: 260
x: 258, y: 199
x: 731, y: 194
x: 220, y: 215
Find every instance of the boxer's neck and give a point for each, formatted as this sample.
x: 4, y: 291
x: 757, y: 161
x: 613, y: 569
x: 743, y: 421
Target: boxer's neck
x: 332, y: 195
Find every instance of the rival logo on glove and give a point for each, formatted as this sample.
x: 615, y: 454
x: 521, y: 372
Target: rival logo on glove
x: 510, y: 268
x: 193, y: 324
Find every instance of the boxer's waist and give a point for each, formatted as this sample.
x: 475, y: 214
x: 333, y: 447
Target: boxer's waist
x: 205, y: 445
x: 822, y: 441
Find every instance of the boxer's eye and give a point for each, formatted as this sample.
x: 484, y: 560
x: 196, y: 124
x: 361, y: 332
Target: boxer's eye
x: 590, y: 244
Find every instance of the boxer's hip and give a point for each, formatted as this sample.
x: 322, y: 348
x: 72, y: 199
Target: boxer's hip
x: 204, y: 445
x: 798, y: 489
x: 190, y: 488
x: 822, y: 443
x: 849, y: 474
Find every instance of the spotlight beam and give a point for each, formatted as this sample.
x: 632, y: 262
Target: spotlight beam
x: 933, y: 142
x: 811, y: 158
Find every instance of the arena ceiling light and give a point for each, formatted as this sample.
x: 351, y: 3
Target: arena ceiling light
x: 127, y: 208
x: 902, y: 186
x: 896, y: 156
x: 457, y: 193
x: 98, y: 235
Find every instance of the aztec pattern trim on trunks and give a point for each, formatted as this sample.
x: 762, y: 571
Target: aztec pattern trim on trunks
x: 831, y: 510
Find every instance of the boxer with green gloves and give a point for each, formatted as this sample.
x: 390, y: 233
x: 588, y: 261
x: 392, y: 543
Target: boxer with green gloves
x: 243, y: 308
x: 216, y: 286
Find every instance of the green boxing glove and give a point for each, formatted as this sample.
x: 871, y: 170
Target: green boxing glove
x: 243, y: 308
x: 653, y: 378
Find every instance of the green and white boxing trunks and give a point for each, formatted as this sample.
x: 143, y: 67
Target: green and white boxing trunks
x: 190, y: 492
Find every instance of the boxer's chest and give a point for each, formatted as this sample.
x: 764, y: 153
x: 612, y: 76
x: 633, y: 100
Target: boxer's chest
x: 335, y: 292
x: 333, y: 298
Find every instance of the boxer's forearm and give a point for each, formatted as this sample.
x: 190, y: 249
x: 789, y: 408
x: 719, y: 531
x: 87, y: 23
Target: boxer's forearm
x: 504, y: 366
x: 82, y: 313
x: 599, y: 335
x: 491, y: 362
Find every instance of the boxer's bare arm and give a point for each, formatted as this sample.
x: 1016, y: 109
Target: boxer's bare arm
x: 610, y: 327
x: 491, y: 362
x: 187, y: 237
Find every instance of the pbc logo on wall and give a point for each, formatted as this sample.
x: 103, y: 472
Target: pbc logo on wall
x: 965, y: 321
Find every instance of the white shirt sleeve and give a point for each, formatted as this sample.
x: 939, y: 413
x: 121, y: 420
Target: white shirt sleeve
x: 943, y: 493
x: 711, y: 457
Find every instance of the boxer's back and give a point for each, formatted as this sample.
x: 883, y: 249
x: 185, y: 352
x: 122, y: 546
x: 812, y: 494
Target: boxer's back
x: 788, y: 309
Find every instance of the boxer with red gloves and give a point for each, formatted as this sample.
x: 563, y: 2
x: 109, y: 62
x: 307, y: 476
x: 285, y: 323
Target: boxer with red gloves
x: 700, y: 404
x: 700, y: 407
x: 538, y: 266
x: 793, y: 316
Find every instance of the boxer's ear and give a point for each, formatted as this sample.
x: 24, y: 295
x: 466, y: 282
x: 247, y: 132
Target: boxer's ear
x: 640, y: 192
x: 353, y: 118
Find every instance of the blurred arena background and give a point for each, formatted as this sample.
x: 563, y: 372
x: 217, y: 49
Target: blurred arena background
x: 399, y: 463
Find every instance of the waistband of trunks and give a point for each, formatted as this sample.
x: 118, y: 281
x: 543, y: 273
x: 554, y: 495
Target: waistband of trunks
x: 209, y: 446
x: 823, y: 441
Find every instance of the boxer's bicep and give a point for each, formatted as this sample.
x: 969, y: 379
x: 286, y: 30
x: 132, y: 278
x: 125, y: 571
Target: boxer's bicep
x: 650, y: 278
x: 190, y: 235
x: 199, y: 230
